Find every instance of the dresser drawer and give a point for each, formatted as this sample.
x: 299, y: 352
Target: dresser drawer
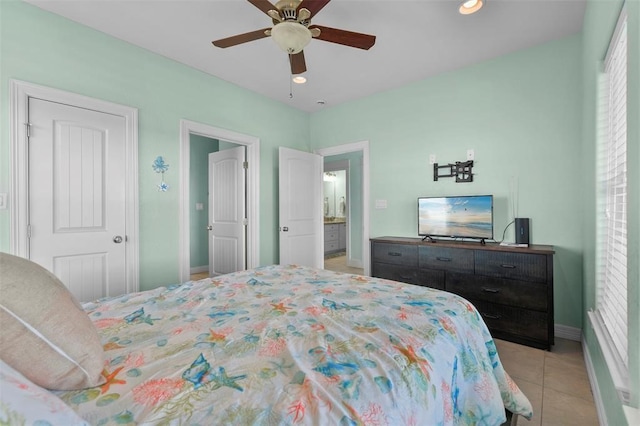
x: 446, y: 259
x: 395, y: 273
x: 396, y: 254
x: 431, y: 278
x: 514, y: 321
x: 522, y: 294
x: 519, y: 266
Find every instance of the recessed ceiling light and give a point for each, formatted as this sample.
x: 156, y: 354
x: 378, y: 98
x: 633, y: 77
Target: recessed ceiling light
x: 299, y: 79
x: 470, y: 6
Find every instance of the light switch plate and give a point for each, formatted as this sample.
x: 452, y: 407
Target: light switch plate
x: 381, y: 204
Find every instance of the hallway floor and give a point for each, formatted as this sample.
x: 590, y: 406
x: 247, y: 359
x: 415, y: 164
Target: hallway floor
x: 339, y: 264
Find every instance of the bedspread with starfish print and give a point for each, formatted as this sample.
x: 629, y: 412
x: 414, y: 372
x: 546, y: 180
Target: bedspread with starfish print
x: 287, y: 345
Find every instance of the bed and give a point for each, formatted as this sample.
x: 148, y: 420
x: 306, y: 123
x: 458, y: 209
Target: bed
x: 287, y: 345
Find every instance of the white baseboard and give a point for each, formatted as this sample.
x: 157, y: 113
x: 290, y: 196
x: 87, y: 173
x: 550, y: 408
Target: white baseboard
x: 593, y: 382
x: 198, y: 269
x: 567, y: 332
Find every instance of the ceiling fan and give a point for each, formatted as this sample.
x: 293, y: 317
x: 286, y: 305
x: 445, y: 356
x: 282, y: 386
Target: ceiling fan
x: 292, y: 30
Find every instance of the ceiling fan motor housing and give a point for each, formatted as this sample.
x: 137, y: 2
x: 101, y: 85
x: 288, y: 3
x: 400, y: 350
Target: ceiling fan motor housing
x: 288, y: 9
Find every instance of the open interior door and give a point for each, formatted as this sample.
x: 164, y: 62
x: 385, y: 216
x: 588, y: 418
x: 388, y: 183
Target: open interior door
x: 301, y: 227
x: 227, y: 219
x: 77, y: 206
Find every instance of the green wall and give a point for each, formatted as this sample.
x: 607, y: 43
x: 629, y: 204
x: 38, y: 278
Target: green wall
x: 45, y: 49
x: 599, y: 24
x: 521, y: 113
x: 200, y: 147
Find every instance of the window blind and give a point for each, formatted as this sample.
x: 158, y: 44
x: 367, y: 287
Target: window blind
x: 611, y: 293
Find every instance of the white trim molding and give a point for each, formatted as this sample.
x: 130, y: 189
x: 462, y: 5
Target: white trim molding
x: 20, y: 92
x: 345, y: 149
x: 593, y: 382
x: 253, y: 189
x: 619, y: 376
x: 568, y: 332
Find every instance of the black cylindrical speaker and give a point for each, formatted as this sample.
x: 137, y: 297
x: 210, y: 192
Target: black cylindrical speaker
x: 522, y: 230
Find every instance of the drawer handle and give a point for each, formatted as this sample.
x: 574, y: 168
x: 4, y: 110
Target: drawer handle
x: 394, y: 253
x: 490, y: 290
x: 491, y: 316
x: 405, y: 277
x: 507, y: 266
x: 443, y: 259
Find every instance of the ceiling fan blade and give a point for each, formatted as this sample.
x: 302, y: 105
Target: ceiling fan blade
x: 263, y: 5
x: 241, y: 38
x: 347, y: 38
x: 298, y: 64
x: 313, y: 6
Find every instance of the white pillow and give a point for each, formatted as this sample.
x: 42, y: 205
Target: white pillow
x: 45, y: 333
x: 25, y: 403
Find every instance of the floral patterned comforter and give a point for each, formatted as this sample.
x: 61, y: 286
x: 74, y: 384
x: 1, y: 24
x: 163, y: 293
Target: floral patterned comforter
x: 294, y: 345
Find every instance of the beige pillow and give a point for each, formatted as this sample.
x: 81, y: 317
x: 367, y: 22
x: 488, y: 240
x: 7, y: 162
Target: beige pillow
x: 44, y: 332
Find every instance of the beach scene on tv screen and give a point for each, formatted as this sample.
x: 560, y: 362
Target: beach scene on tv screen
x: 456, y: 217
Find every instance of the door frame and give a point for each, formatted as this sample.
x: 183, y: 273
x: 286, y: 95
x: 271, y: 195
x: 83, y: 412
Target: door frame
x: 19, y: 93
x: 362, y: 146
x: 252, y: 144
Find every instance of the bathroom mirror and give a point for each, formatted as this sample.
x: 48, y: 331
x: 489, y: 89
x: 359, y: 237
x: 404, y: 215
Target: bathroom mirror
x: 335, y: 195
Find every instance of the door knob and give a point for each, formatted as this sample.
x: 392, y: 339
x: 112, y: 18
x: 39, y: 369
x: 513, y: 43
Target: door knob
x: 209, y: 227
x: 117, y: 239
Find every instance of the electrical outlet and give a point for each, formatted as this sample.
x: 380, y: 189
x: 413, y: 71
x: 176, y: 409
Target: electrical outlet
x: 470, y: 155
x: 3, y: 201
x: 432, y: 158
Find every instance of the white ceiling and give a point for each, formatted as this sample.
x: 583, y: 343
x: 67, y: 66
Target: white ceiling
x: 415, y: 39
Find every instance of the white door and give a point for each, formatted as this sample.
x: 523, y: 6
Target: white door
x: 226, y: 211
x: 77, y: 197
x: 301, y: 227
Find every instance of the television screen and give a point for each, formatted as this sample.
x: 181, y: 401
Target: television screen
x: 457, y: 217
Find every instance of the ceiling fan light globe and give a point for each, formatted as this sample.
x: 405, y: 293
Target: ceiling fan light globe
x: 291, y: 37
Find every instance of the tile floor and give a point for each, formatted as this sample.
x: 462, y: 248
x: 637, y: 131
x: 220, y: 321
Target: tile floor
x: 339, y: 264
x: 555, y: 381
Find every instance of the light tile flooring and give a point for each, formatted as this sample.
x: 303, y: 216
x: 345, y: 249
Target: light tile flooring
x: 199, y: 276
x: 555, y: 381
x: 339, y: 264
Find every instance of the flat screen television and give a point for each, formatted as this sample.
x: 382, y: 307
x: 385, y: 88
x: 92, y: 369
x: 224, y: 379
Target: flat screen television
x: 468, y: 216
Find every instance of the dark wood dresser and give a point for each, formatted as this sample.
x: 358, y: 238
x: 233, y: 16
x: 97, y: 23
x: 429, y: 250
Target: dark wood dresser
x: 511, y: 287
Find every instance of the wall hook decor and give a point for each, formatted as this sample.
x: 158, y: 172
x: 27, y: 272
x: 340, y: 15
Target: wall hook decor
x: 159, y: 166
x: 462, y: 170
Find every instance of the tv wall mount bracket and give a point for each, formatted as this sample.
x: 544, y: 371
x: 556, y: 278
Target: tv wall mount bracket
x: 461, y: 170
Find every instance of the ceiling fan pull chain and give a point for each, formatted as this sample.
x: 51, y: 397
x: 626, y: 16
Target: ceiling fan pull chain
x: 290, y: 82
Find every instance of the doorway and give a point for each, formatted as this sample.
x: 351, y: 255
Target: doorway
x: 356, y: 211
x: 216, y: 180
x: 203, y: 137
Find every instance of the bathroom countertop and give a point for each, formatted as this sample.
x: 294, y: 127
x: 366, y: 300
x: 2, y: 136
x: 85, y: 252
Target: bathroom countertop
x: 336, y: 220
